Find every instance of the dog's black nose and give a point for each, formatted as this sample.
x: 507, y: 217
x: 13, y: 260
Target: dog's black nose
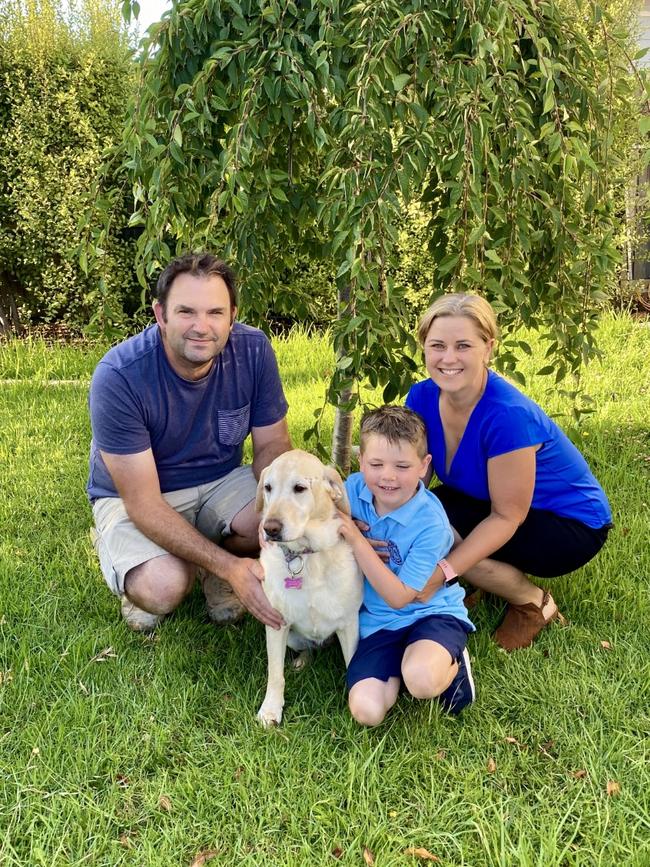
x: 273, y: 529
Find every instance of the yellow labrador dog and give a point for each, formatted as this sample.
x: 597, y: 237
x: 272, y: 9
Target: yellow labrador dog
x: 311, y: 576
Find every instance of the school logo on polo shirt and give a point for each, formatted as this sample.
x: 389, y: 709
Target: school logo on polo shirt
x: 394, y: 553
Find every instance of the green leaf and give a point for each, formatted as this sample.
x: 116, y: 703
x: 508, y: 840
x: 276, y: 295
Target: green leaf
x: 400, y: 82
x: 493, y: 256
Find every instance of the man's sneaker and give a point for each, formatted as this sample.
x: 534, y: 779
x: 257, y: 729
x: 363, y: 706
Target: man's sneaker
x: 220, y: 600
x: 138, y: 619
x: 460, y: 691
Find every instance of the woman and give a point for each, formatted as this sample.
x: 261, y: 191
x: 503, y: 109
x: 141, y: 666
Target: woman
x: 518, y: 493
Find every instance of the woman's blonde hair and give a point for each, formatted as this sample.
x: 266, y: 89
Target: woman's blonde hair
x: 472, y: 306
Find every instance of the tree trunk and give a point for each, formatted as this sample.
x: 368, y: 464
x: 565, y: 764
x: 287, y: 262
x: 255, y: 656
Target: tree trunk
x: 342, y: 436
x: 343, y: 419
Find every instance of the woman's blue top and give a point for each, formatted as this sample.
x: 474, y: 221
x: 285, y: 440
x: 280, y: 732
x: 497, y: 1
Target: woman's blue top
x: 503, y: 421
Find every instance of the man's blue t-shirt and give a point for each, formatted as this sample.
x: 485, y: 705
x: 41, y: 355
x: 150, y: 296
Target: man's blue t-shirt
x: 417, y: 536
x: 196, y: 429
x: 503, y: 421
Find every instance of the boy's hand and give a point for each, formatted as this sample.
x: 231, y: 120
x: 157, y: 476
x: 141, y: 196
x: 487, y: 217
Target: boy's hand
x: 378, y: 545
x: 348, y: 528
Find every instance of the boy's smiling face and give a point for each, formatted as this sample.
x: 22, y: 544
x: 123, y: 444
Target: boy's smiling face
x: 391, y: 470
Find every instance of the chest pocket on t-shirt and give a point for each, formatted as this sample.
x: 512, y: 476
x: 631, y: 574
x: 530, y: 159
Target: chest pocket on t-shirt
x: 233, y: 425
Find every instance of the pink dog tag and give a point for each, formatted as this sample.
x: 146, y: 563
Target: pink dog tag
x: 293, y: 583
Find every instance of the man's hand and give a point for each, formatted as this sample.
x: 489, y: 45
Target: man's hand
x: 245, y: 580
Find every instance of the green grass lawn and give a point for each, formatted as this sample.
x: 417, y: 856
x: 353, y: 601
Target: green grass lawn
x: 121, y: 749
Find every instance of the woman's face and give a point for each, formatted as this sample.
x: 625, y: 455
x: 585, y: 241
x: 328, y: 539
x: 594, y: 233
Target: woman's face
x: 456, y: 355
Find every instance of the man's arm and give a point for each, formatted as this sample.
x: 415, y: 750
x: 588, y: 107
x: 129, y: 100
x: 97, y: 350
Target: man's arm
x: 269, y: 442
x: 136, y: 479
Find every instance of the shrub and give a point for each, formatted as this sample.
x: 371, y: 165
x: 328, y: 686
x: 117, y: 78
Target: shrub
x: 65, y: 77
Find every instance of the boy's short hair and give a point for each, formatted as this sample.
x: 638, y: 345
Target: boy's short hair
x: 395, y: 423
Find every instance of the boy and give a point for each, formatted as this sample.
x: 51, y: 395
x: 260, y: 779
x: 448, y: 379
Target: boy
x: 402, y: 639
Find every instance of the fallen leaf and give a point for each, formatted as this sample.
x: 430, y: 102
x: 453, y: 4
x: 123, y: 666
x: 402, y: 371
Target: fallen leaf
x: 125, y: 841
x: 605, y: 645
x: 392, y: 813
x: 337, y: 852
x: 203, y: 857
x: 613, y: 788
x: 491, y: 765
x: 368, y: 857
x: 165, y: 803
x: 419, y: 852
x: 441, y: 754
x: 579, y: 775
x: 103, y: 655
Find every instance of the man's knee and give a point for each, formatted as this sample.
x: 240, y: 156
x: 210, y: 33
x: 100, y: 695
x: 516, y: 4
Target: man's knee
x: 159, y: 585
x: 246, y: 523
x: 244, y: 528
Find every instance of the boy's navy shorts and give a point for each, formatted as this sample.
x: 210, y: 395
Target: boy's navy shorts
x: 380, y: 654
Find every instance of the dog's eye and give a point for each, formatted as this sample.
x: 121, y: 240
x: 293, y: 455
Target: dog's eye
x: 267, y: 488
x: 299, y: 489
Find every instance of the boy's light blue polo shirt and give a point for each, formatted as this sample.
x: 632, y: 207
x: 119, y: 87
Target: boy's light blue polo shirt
x: 417, y: 535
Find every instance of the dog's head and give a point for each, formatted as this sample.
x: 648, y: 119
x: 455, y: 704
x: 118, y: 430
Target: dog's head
x: 298, y: 497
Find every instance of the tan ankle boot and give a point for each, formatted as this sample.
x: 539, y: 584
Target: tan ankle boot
x: 221, y: 602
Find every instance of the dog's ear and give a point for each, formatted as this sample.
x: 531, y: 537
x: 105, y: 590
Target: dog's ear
x: 259, y: 497
x: 337, y: 490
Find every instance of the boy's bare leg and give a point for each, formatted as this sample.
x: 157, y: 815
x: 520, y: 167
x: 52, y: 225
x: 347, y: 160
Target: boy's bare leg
x: 371, y: 699
x: 427, y: 669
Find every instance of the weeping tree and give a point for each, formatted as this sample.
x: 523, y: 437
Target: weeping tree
x: 273, y: 129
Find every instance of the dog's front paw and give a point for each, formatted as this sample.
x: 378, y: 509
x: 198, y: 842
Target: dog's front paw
x: 270, y: 714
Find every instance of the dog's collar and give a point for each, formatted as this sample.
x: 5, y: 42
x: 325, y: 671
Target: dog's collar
x: 295, y: 564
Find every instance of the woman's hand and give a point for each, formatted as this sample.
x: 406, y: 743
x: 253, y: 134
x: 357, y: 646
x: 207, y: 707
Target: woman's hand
x: 432, y: 586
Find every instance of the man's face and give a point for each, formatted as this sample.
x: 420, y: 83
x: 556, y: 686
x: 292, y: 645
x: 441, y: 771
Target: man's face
x: 195, y: 324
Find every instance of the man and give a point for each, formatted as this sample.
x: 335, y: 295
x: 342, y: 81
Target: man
x: 170, y: 409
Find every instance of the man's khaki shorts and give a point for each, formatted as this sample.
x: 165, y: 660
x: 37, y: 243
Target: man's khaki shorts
x: 210, y: 508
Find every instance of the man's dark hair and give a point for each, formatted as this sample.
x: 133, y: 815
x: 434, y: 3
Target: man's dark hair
x: 199, y: 265
x: 395, y: 423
